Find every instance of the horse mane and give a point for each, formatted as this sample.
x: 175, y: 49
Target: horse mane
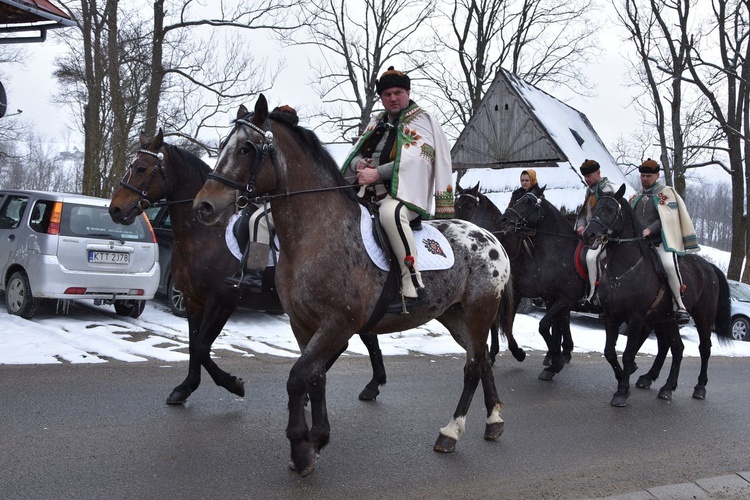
x: 310, y: 143
x: 189, y: 160
x: 638, y: 230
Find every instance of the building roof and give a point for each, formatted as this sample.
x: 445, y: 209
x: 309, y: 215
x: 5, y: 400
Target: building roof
x: 25, y: 21
x: 519, y: 126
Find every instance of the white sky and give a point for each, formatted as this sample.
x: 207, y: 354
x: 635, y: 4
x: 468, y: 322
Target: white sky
x: 91, y: 334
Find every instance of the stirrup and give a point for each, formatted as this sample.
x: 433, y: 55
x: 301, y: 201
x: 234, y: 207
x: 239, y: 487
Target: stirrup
x: 402, y: 305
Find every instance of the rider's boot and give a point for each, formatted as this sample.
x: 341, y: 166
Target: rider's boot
x: 251, y: 279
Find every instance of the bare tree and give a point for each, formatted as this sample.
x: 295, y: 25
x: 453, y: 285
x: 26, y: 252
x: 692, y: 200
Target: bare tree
x: 720, y: 68
x: 196, y: 75
x: 545, y: 42
x: 357, y: 43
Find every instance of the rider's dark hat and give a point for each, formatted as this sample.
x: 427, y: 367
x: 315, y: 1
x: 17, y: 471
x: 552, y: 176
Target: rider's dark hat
x: 589, y: 167
x: 392, y: 78
x: 649, y: 167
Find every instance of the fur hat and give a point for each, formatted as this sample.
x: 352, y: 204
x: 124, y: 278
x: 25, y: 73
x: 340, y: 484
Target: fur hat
x: 392, y: 78
x: 589, y: 167
x: 649, y: 167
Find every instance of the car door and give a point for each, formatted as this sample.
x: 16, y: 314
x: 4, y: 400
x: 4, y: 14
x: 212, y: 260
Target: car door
x: 12, y: 210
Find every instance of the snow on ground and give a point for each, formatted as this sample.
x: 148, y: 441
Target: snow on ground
x: 95, y: 334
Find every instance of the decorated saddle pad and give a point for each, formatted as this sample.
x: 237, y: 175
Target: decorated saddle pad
x: 433, y: 250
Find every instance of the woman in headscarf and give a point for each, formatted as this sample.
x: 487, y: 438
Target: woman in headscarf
x: 528, y: 182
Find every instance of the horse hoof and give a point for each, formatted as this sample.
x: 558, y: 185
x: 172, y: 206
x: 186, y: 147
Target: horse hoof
x: 306, y: 466
x: 547, y: 361
x: 699, y: 393
x: 643, y: 382
x: 178, y: 397
x: 519, y: 354
x: 237, y: 386
x: 368, y: 394
x: 493, y: 431
x: 665, y: 394
x: 445, y: 444
x: 619, y: 400
x: 635, y: 369
x: 546, y: 375
x: 567, y: 357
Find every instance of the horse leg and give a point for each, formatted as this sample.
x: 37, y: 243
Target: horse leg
x: 214, y: 319
x: 645, y: 380
x: 504, y: 321
x: 494, y: 423
x: 704, y: 348
x: 671, y: 332
x: 635, y: 334
x: 553, y: 340
x: 457, y: 321
x: 610, y: 354
x: 308, y: 377
x: 567, y: 338
x: 183, y: 391
x: 371, y: 391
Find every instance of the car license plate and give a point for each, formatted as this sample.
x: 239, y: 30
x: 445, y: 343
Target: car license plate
x: 109, y: 257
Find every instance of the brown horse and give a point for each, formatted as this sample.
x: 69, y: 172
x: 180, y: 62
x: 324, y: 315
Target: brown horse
x: 328, y: 285
x: 201, y: 261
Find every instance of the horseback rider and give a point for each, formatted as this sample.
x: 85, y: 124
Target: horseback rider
x: 402, y: 161
x: 598, y: 186
x: 528, y: 183
x: 667, y: 224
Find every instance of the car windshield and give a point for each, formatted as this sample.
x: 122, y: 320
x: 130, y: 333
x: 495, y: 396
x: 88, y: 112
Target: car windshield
x: 740, y: 291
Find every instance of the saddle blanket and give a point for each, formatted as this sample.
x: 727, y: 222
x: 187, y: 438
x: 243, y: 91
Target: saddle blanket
x: 433, y: 250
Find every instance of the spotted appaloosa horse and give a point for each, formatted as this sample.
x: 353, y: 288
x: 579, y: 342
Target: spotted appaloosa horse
x: 631, y: 291
x: 328, y: 285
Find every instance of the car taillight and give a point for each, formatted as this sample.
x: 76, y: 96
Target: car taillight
x: 150, y: 227
x: 75, y: 291
x: 54, y: 220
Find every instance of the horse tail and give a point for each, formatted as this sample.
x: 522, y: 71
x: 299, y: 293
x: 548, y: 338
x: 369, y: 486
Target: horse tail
x: 506, y: 312
x: 723, y: 320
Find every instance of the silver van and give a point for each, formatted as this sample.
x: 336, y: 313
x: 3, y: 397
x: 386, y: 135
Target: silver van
x: 66, y: 246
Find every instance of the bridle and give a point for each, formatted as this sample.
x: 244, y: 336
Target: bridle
x: 522, y: 225
x: 608, y: 229
x: 158, y: 168
x: 265, y: 148
x: 460, y: 205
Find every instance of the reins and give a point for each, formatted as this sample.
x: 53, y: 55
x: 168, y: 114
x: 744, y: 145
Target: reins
x: 144, y: 203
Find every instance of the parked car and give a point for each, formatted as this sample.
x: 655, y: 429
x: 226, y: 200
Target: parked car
x: 66, y: 246
x: 740, y: 294
x: 160, y: 220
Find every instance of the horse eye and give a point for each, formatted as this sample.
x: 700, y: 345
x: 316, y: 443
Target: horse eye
x: 140, y: 169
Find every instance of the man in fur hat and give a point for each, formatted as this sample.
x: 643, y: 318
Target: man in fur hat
x: 667, y: 224
x: 403, y: 158
x: 598, y: 186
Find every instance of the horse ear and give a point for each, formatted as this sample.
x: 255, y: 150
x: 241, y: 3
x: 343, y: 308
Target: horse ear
x: 620, y: 191
x: 242, y: 111
x: 143, y: 138
x: 261, y: 109
x: 159, y: 139
x: 475, y: 188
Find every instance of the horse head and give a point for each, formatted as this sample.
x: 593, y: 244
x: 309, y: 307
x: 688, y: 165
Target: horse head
x: 144, y: 181
x: 607, y: 219
x: 526, y: 213
x: 247, y: 166
x: 467, y: 201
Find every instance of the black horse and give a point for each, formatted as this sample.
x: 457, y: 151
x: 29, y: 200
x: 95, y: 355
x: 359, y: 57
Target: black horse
x: 542, y: 246
x: 631, y: 290
x: 473, y: 206
x: 200, y: 260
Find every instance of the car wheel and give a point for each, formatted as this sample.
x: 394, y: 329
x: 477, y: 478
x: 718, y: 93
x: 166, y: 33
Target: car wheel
x: 176, y: 300
x: 18, y: 297
x: 131, y: 308
x: 741, y: 328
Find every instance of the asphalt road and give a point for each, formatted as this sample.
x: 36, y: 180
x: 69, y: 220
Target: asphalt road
x: 104, y: 431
